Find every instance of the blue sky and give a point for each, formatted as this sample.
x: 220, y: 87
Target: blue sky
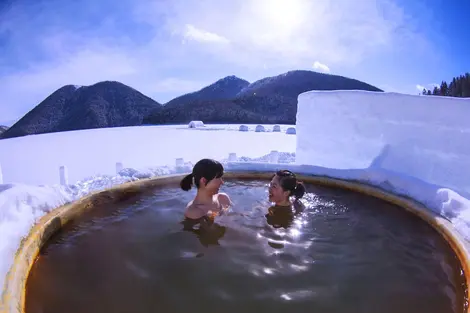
x: 165, y: 48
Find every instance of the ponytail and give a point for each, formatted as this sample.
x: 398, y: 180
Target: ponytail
x: 299, y: 190
x: 187, y: 182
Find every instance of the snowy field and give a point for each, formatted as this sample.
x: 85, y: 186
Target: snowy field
x: 36, y: 159
x: 411, y: 145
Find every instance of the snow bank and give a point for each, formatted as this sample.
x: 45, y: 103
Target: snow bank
x: 20, y: 207
x: 418, y: 144
x: 196, y: 124
x: 422, y: 136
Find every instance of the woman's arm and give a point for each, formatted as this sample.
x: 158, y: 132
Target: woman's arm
x: 224, y: 201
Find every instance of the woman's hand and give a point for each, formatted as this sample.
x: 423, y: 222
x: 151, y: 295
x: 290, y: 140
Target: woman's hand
x: 224, y: 200
x: 212, y: 214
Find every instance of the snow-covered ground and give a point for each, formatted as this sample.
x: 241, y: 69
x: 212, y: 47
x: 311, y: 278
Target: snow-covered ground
x: 351, y: 135
x: 36, y: 159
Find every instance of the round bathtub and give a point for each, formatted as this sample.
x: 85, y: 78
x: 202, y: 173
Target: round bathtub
x: 123, y: 250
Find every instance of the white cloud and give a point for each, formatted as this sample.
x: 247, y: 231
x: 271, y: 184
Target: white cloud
x: 22, y: 90
x: 83, y: 68
x: 427, y: 86
x: 193, y: 33
x: 321, y: 67
x: 289, y: 32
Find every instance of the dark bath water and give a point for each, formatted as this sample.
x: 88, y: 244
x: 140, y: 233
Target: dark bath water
x: 346, y: 253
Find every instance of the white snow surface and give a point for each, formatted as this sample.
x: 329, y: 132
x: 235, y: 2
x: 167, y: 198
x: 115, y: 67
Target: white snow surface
x: 426, y: 137
x: 410, y: 145
x: 413, y: 145
x: 36, y: 159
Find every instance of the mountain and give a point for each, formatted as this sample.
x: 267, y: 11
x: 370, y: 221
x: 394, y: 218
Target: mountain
x: 268, y: 100
x: 228, y: 100
x: 3, y: 129
x: 104, y: 104
x: 223, y: 89
x: 293, y: 83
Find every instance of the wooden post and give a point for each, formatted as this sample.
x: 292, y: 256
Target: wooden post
x: 119, y: 167
x: 274, y: 157
x: 179, y: 162
x: 64, y: 176
x: 232, y: 157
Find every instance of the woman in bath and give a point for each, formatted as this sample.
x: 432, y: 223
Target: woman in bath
x: 283, y: 187
x: 208, y: 202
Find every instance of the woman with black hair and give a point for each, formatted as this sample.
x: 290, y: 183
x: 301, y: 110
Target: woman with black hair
x: 208, y: 202
x: 283, y: 186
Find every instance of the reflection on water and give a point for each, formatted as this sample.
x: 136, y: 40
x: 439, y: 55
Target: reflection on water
x: 343, y: 252
x: 207, y: 231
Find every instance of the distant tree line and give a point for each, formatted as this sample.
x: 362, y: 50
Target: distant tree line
x: 458, y: 87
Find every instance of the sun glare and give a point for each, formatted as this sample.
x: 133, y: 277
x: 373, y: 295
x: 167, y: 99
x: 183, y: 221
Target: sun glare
x: 285, y: 14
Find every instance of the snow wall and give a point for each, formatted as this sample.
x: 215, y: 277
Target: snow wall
x: 426, y: 137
